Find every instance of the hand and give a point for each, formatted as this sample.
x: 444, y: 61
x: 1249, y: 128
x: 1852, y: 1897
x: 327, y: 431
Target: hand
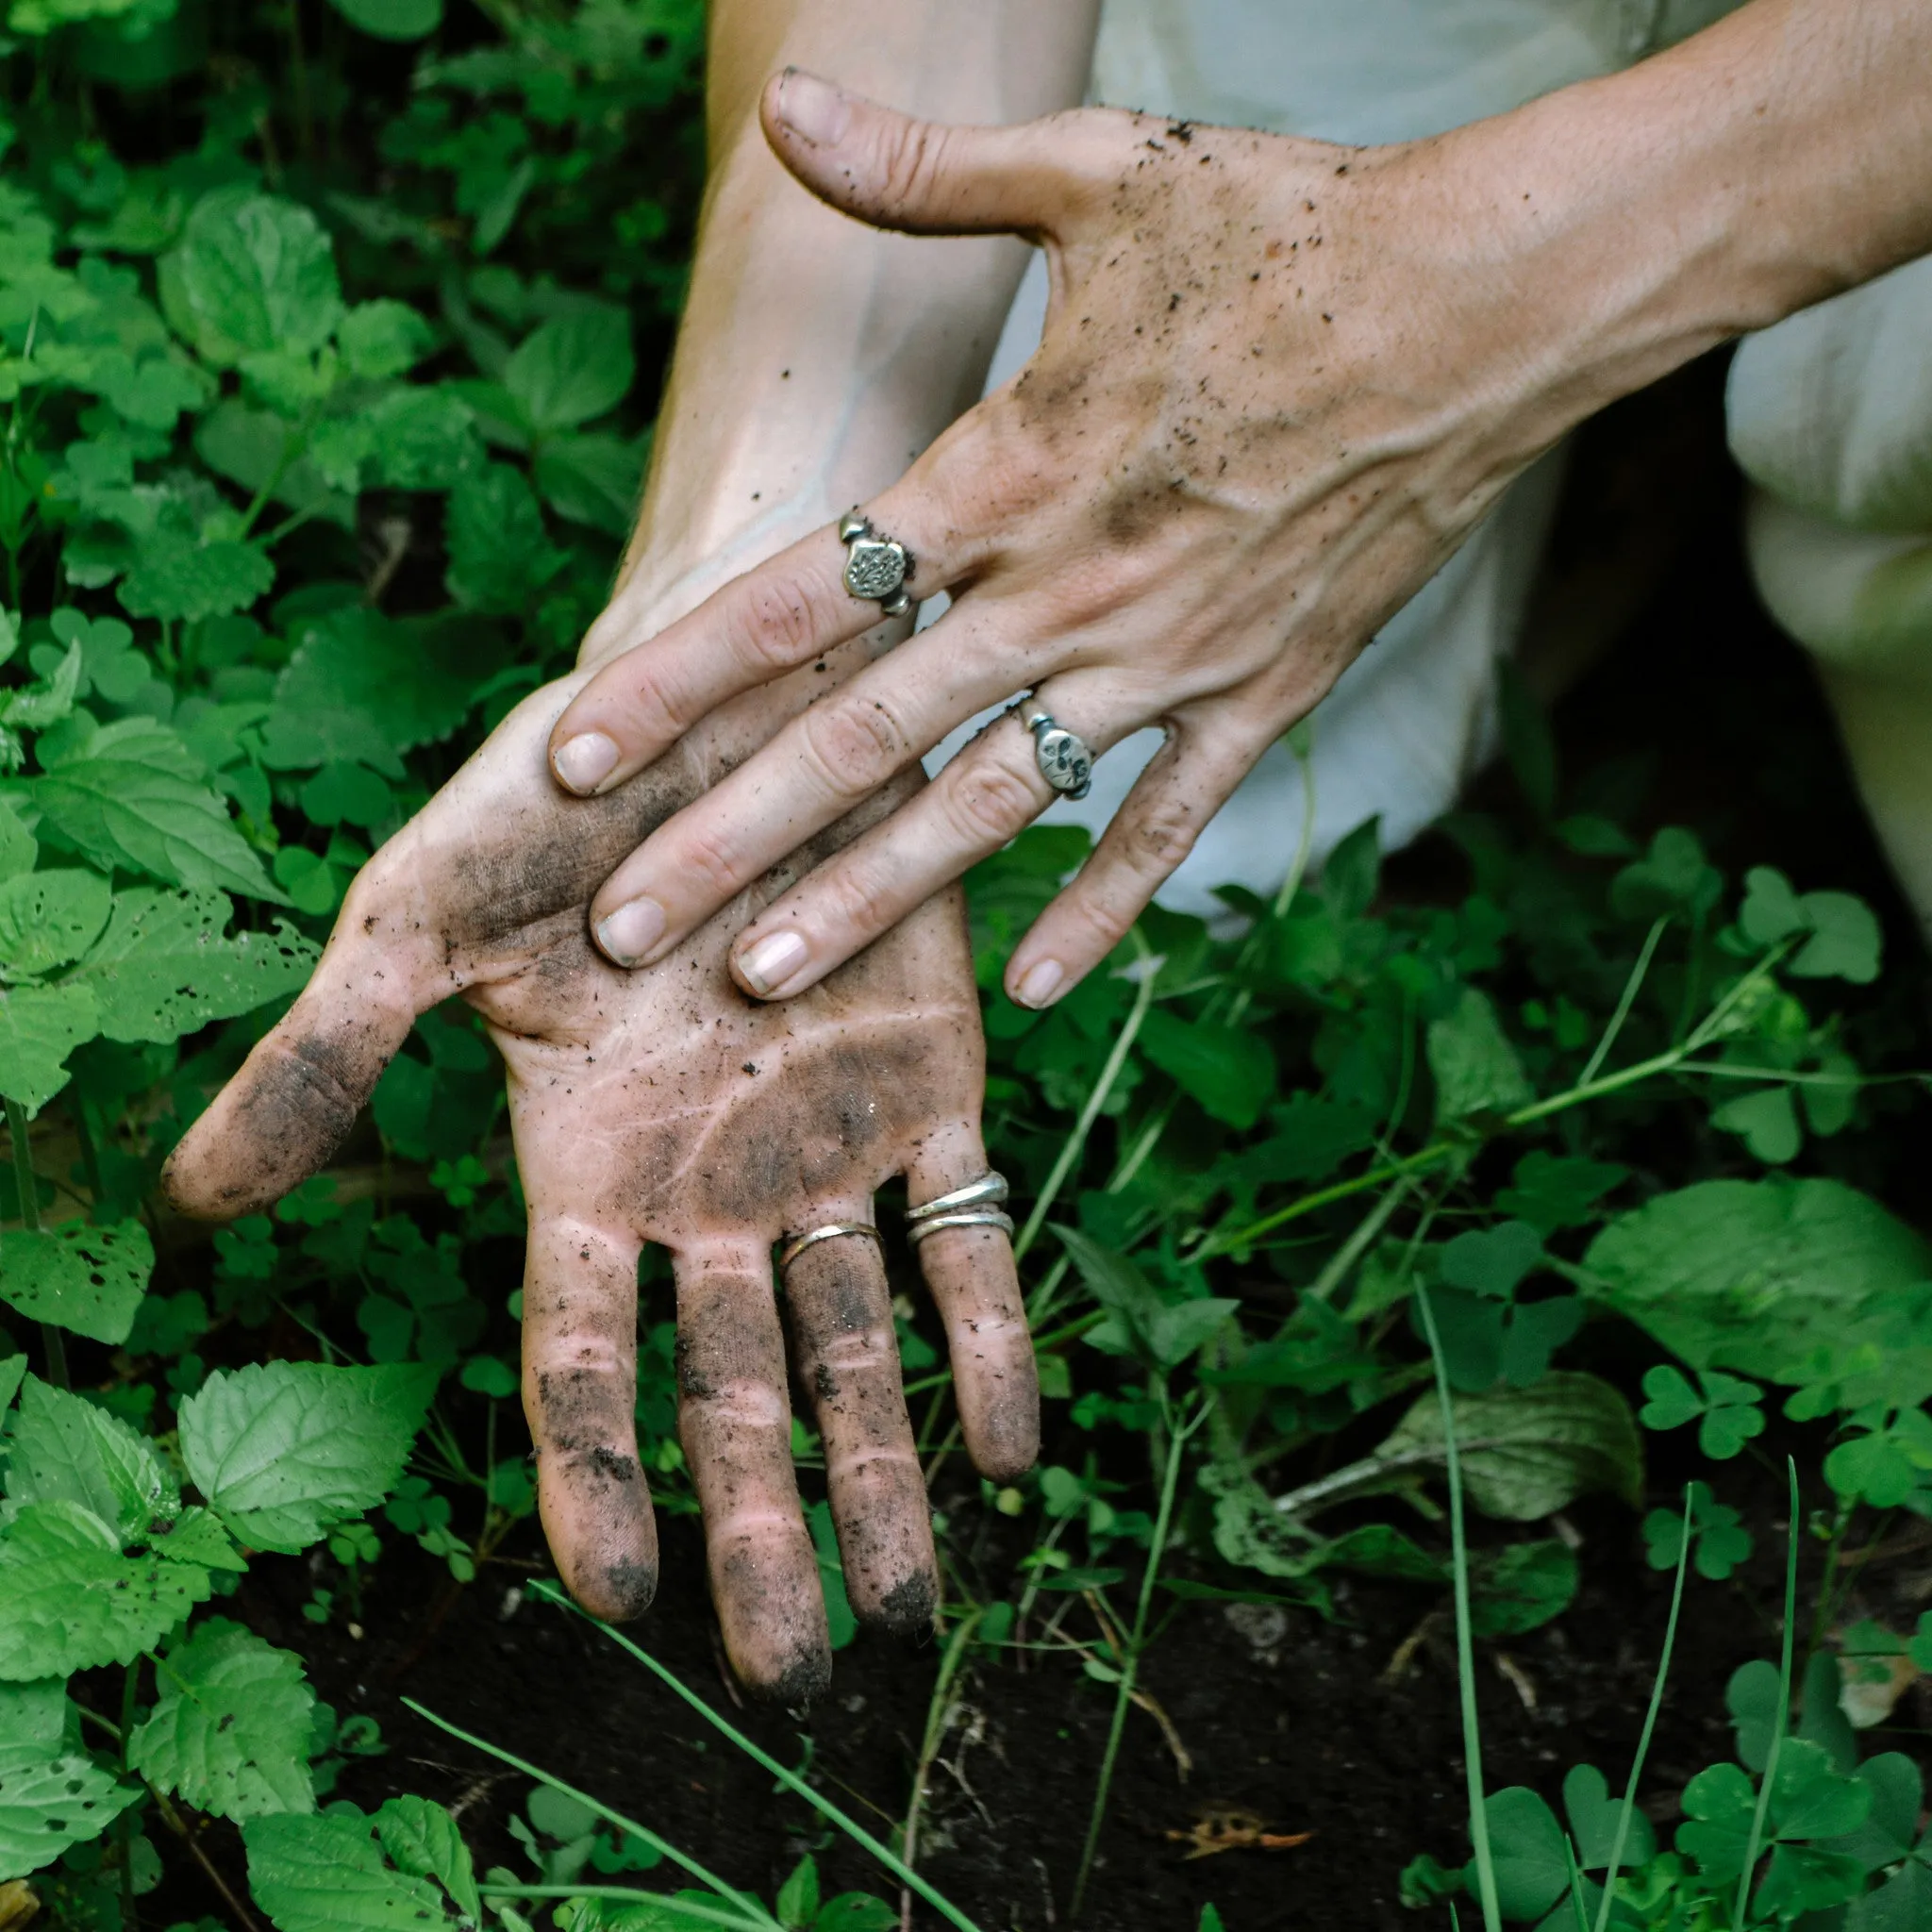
x: 1279, y: 381
x: 664, y: 1106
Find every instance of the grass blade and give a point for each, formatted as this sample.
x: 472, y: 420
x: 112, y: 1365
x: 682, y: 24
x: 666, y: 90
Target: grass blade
x: 1657, y: 1698
x: 1465, y: 1645
x: 1781, y: 1721
x: 789, y: 1779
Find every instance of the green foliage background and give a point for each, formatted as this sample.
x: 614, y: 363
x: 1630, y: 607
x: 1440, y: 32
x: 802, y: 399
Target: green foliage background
x: 319, y: 341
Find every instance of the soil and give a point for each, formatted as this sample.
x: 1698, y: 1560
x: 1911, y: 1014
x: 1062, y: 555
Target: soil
x: 1307, y: 1726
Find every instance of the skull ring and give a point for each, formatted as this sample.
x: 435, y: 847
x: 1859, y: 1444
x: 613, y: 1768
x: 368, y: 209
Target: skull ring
x: 1064, y: 757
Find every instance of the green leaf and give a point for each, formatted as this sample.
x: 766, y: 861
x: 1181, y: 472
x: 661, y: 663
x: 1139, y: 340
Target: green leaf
x: 500, y: 555
x: 858, y: 1911
x: 70, y: 1600
x: 1594, y: 1816
x: 329, y: 1873
x: 1767, y: 1121
x: 164, y: 966
x: 574, y: 368
x: 1811, y: 1798
x: 1673, y: 1401
x: 48, y: 918
x: 283, y: 1451
x: 797, y: 1902
x: 1527, y: 1453
x: 89, y: 1279
x: 18, y: 846
x: 1751, y: 1696
x: 40, y: 1026
x: 34, y: 1713
x: 13, y: 1371
x: 423, y: 437
x: 1521, y: 1587
x: 384, y: 339
x: 1161, y: 1334
x: 841, y: 1624
x: 1719, y: 1803
x: 65, y: 1449
x: 179, y: 577
x: 358, y: 662
x: 196, y: 1535
x: 1845, y: 942
x: 253, y: 274
x: 230, y: 1730
x: 1672, y: 877
x: 422, y: 1841
x: 1491, y: 1262
x: 1770, y: 910
x: 1477, y: 1073
x: 1228, y: 1072
x: 1754, y: 1275
x: 1902, y: 1903
x: 591, y: 479
x: 50, y: 1800
x: 393, y: 19
x: 134, y: 797
x: 1532, y: 1867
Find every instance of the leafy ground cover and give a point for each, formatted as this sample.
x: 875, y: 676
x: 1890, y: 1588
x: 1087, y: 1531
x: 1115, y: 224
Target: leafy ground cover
x: 1594, y: 1118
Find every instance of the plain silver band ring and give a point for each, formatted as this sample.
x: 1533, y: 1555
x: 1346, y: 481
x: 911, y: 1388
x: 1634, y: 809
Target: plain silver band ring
x: 793, y: 1249
x: 968, y: 1217
x: 989, y: 1191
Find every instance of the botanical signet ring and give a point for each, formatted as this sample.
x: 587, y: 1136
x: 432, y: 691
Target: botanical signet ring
x: 1064, y: 757
x: 875, y: 566
x: 794, y: 1248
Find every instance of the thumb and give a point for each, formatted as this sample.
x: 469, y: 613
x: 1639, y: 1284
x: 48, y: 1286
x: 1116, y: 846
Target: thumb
x: 296, y: 1096
x: 922, y: 177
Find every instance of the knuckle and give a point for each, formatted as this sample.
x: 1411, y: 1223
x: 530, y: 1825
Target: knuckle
x: 769, y: 625
x: 708, y: 860
x: 912, y: 162
x: 856, y: 743
x: 1159, y: 836
x: 991, y: 800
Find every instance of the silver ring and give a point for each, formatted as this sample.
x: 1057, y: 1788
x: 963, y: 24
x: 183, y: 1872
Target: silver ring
x: 1064, y: 757
x: 969, y: 1217
x: 793, y: 1249
x: 875, y: 566
x: 989, y: 1191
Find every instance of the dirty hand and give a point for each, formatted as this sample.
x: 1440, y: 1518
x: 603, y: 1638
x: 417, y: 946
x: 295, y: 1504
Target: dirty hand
x: 664, y: 1106
x: 1275, y: 388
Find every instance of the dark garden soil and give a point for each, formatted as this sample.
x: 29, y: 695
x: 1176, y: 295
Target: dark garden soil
x: 1345, y: 1730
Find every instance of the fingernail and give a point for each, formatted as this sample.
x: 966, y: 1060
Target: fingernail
x: 581, y: 762
x: 1040, y: 983
x: 772, y: 961
x: 812, y: 110
x: 631, y: 931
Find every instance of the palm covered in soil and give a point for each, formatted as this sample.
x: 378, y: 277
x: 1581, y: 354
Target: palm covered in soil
x: 664, y: 1106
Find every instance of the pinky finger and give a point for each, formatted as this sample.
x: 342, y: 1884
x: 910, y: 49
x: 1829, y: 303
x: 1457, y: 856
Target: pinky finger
x: 1188, y: 779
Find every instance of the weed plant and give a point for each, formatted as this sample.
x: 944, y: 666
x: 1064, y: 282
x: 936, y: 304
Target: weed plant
x: 320, y: 332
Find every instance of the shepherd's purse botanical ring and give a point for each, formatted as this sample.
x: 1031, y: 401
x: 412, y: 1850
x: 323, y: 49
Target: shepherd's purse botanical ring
x: 1064, y: 757
x: 989, y: 1191
x: 793, y: 1249
x: 876, y: 566
x: 916, y: 1231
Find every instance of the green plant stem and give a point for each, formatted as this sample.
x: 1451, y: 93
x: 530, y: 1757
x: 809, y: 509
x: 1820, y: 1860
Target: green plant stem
x: 789, y: 1779
x: 950, y: 1660
x: 1130, y: 1662
x: 27, y: 1187
x: 755, y: 1912
x: 1628, y: 999
x: 1465, y: 1644
x: 1657, y: 1698
x: 1070, y: 1148
x: 1781, y: 1718
x: 618, y: 1895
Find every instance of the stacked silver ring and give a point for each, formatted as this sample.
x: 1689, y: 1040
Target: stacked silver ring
x: 796, y: 1247
x: 976, y: 1205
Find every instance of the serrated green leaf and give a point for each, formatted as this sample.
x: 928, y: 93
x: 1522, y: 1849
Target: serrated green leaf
x: 384, y: 339
x: 50, y: 1800
x: 35, y: 1713
x: 1477, y: 1073
x: 251, y: 447
x: 40, y: 1026
x: 574, y: 368
x: 13, y: 1371
x: 283, y: 1451
x: 422, y: 1840
x: 423, y: 438
x: 254, y: 274
x: 18, y: 848
x: 165, y: 967
x: 65, y: 1449
x: 356, y: 663
x: 70, y: 1601
x: 177, y: 577
x: 328, y: 1874
x: 89, y: 1279
x: 196, y: 1535
x: 500, y: 556
x: 1228, y: 1072
x: 230, y: 1730
x: 137, y: 800
x: 591, y: 479
x: 1521, y: 1587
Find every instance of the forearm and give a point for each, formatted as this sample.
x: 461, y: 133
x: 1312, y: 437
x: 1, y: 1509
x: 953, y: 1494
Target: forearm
x: 817, y: 357
x: 1766, y: 163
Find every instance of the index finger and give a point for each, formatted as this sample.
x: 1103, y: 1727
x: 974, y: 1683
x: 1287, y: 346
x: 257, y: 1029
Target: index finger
x: 784, y: 613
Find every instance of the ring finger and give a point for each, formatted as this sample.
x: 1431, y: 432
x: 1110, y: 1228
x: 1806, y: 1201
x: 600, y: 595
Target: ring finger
x: 985, y: 797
